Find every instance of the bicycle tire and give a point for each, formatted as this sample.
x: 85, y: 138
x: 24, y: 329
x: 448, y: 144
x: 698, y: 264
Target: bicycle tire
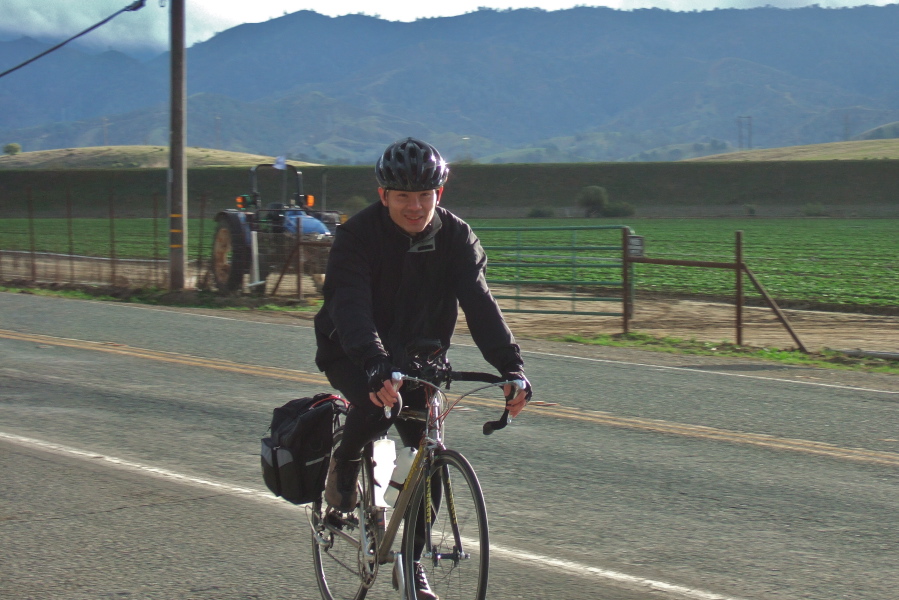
x: 453, y: 573
x: 231, y: 253
x: 341, y: 570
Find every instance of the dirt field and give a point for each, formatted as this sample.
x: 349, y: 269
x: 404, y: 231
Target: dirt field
x: 714, y: 322
x: 707, y: 321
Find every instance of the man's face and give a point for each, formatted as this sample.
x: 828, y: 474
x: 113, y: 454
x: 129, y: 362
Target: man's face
x: 412, y: 211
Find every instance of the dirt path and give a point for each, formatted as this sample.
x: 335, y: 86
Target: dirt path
x: 685, y: 319
x: 713, y: 322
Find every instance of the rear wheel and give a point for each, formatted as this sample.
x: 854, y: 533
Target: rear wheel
x: 456, y: 551
x: 344, y: 545
x: 230, y: 253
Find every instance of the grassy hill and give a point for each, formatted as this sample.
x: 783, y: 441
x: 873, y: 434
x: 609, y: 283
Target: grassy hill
x: 860, y: 150
x: 130, y: 157
x: 157, y: 157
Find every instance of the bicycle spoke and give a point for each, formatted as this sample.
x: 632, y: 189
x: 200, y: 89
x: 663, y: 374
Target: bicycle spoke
x: 344, y: 569
x: 456, y: 556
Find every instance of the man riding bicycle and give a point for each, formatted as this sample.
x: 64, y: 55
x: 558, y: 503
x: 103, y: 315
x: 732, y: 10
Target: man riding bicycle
x: 397, y: 273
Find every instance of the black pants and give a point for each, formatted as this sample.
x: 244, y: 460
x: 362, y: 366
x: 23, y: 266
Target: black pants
x: 366, y: 422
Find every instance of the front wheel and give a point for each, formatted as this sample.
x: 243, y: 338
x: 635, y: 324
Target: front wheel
x: 454, y: 549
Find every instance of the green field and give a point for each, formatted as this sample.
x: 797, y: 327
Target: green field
x: 832, y: 262
x: 127, y: 238
x: 818, y: 261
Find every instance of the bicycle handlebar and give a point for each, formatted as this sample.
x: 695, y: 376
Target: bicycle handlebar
x: 489, y: 426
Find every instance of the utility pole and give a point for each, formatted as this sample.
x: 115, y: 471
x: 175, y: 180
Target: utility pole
x: 749, y: 118
x: 177, y: 143
x: 748, y: 121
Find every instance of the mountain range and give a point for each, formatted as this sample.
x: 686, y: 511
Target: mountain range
x: 577, y: 85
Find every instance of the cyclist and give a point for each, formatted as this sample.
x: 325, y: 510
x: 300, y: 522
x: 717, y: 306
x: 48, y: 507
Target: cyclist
x: 397, y: 273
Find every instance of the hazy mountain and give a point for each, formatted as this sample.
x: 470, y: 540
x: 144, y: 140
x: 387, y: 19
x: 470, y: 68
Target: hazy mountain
x: 70, y: 84
x: 522, y: 85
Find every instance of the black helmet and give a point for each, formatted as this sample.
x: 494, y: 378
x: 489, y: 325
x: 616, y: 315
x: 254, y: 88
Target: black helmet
x: 411, y: 165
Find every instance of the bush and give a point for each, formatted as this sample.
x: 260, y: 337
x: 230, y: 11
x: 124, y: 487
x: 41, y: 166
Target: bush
x: 541, y: 213
x: 12, y: 149
x: 814, y: 210
x: 619, y: 209
x: 593, y: 199
x: 354, y: 204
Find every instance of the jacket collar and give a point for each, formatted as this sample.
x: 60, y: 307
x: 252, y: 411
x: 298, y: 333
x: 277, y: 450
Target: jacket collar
x: 421, y: 242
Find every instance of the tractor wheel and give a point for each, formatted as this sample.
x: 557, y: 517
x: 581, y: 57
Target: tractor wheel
x: 230, y: 253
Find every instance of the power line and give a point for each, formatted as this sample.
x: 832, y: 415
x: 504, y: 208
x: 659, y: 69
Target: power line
x: 139, y: 4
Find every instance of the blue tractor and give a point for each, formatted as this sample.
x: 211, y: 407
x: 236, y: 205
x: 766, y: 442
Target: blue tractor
x: 252, y: 242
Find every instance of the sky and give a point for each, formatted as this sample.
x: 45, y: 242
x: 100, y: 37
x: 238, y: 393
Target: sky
x: 145, y: 32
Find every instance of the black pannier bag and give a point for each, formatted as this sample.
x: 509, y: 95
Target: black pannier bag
x: 295, y: 458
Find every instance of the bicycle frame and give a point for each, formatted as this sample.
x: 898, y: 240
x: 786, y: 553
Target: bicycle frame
x: 430, y: 443
x: 365, y: 530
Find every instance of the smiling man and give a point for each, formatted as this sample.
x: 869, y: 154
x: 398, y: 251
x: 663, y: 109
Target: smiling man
x: 397, y: 273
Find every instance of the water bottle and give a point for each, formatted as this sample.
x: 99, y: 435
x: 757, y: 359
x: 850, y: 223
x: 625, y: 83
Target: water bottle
x: 384, y: 455
x: 404, y: 460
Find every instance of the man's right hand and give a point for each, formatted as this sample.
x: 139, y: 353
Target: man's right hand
x: 383, y: 391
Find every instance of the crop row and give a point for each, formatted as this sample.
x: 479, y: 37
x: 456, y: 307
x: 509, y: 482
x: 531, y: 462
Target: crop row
x: 834, y: 261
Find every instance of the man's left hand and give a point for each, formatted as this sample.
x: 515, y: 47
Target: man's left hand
x: 522, y: 397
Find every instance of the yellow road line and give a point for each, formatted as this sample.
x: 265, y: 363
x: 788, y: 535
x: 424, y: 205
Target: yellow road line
x: 560, y: 412
x: 170, y: 357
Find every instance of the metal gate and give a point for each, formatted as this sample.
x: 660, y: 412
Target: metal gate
x: 559, y: 270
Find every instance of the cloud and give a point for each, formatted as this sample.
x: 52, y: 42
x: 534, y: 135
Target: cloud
x: 55, y: 21
x: 147, y: 31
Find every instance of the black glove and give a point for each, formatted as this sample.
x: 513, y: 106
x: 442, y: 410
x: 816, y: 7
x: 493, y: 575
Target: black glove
x: 379, y: 370
x: 519, y: 375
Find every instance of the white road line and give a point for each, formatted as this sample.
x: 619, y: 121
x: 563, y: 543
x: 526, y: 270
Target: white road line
x: 133, y: 466
x: 576, y: 569
x: 708, y: 372
x: 582, y: 570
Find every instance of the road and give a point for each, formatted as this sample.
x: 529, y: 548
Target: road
x: 129, y: 467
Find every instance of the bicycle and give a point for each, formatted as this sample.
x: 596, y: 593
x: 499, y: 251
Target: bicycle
x: 348, y: 548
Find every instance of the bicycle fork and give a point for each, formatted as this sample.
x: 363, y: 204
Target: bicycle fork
x: 449, y: 501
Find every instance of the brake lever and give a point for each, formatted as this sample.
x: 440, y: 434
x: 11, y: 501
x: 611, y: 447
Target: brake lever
x: 491, y: 426
x: 395, y: 376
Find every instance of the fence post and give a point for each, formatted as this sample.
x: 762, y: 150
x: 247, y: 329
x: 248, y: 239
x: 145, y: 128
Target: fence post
x: 300, y: 257
x: 31, y: 240
x: 156, y: 238
x: 738, y: 272
x: 70, y: 231
x: 574, y: 272
x: 625, y: 282
x: 112, y: 257
x: 2, y: 246
x: 202, y: 235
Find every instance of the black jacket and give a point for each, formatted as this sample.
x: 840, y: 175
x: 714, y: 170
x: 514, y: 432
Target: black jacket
x: 384, y: 289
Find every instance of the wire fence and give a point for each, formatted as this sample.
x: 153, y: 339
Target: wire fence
x: 54, y: 244
x: 829, y: 263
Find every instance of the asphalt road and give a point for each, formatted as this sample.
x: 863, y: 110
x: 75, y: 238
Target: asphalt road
x: 129, y: 467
